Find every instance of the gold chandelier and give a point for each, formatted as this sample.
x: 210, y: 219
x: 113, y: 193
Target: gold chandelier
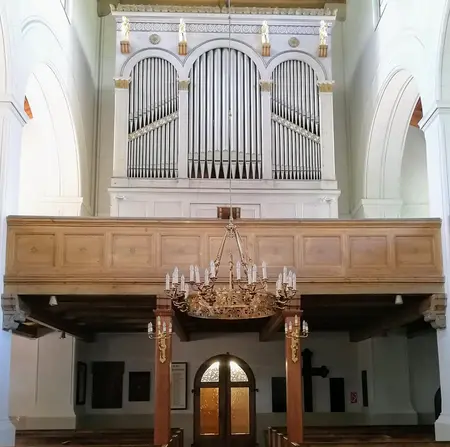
x: 246, y: 295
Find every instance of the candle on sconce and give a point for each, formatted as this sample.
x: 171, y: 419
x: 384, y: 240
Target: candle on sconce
x: 238, y: 270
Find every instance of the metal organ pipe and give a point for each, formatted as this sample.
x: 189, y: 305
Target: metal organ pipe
x: 153, y: 120
x: 209, y: 154
x: 296, y: 153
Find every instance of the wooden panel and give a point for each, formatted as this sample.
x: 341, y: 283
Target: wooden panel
x: 132, y: 256
x: 83, y: 250
x: 131, y: 250
x: 34, y: 250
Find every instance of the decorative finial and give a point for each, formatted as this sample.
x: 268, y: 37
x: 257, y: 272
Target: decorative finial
x: 182, y: 39
x: 323, y: 39
x: 125, y: 41
x: 265, y: 39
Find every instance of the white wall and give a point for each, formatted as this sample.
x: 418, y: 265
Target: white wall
x: 424, y: 374
x: 385, y: 359
x: 414, y: 178
x: 42, y: 379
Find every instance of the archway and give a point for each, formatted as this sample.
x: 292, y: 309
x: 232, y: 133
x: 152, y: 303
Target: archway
x: 49, y: 168
x: 396, y: 155
x: 224, y: 403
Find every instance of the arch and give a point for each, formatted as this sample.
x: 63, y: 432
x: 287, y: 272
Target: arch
x: 131, y: 62
x: 5, y: 80
x: 316, y: 65
x: 386, y: 142
x: 223, y: 382
x: 46, y: 53
x: 443, y: 62
x: 223, y: 43
x: 49, y: 140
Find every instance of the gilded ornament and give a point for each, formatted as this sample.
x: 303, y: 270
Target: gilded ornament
x: 326, y: 86
x: 184, y: 84
x: 121, y: 83
x: 266, y: 86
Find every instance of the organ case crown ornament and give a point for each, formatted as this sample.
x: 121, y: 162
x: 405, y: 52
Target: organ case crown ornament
x: 182, y: 39
x: 265, y: 41
x: 125, y: 41
x: 323, y: 39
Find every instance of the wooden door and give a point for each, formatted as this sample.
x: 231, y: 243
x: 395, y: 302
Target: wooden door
x: 224, y: 403
x: 107, y: 384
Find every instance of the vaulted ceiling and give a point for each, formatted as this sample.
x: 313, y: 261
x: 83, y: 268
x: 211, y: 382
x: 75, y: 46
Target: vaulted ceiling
x: 104, y: 8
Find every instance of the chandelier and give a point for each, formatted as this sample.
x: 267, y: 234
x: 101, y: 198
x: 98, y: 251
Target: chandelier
x: 246, y: 294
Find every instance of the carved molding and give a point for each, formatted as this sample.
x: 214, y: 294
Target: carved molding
x: 435, y: 314
x: 14, y: 312
x: 184, y: 84
x: 198, y: 28
x: 121, y: 83
x: 326, y: 86
x: 224, y: 10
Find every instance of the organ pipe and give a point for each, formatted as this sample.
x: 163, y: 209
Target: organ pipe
x: 296, y: 151
x: 153, y: 120
x: 210, y: 155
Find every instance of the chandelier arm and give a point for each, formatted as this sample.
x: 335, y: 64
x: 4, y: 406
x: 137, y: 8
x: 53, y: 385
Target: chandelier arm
x: 220, y: 252
x: 245, y: 260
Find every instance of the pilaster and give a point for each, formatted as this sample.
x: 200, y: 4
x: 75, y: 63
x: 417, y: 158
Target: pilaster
x: 266, y: 108
x: 120, y: 127
x: 436, y: 126
x: 183, y: 120
x: 12, y: 120
x: 163, y: 360
x: 327, y: 130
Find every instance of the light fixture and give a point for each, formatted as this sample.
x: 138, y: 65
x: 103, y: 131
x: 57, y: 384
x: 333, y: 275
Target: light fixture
x: 295, y: 332
x: 245, y: 294
x: 160, y: 333
x: 53, y: 301
x: 398, y: 300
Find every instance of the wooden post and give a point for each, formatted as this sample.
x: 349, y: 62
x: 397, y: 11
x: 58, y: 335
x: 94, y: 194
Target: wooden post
x: 294, y: 397
x: 163, y: 360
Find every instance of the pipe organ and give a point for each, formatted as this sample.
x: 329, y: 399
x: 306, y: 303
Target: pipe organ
x: 153, y: 120
x: 224, y: 137
x: 224, y: 109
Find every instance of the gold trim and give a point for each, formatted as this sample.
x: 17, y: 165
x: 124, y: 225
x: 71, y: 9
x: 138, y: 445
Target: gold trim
x: 184, y: 84
x: 323, y: 51
x: 326, y: 86
x: 121, y: 83
x: 162, y: 346
x: 266, y: 86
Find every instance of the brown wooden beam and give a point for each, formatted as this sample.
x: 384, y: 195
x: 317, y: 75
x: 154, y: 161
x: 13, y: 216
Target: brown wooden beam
x: 405, y: 314
x: 45, y: 318
x: 271, y: 327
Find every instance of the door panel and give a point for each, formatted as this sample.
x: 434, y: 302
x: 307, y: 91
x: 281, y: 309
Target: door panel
x: 224, y: 404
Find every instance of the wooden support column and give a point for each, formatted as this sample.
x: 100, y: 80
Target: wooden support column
x: 163, y: 360
x: 294, y: 395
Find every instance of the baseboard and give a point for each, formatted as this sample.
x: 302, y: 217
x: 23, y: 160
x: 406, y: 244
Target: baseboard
x: 44, y: 423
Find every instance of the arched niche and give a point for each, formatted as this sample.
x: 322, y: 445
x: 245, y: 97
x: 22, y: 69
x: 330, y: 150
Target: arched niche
x: 49, y: 168
x: 47, y: 61
x: 299, y: 56
x: 386, y: 140
x: 224, y: 403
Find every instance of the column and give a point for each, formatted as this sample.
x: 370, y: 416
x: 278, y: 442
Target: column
x: 436, y: 126
x: 327, y: 130
x: 266, y: 128
x: 163, y: 359
x: 120, y: 127
x: 294, y: 394
x: 11, y: 123
x: 183, y: 122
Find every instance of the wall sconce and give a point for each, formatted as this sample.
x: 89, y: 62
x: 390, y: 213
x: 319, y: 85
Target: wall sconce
x: 160, y: 333
x: 294, y: 332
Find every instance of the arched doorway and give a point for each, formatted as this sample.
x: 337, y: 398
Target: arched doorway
x: 224, y: 403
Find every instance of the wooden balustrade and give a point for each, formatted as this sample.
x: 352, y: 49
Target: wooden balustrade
x: 65, y: 256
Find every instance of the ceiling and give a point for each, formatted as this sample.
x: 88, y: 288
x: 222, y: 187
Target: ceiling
x: 104, y: 8
x: 85, y: 316
x: 417, y: 114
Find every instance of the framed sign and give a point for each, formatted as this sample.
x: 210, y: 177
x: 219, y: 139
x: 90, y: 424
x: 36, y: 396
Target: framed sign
x: 178, y: 383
